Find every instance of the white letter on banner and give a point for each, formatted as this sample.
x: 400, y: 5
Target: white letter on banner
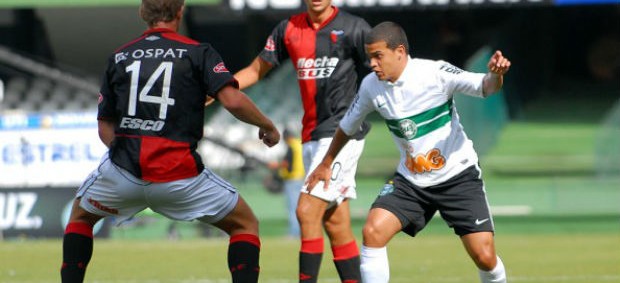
x: 14, y: 211
x: 23, y: 221
x: 7, y: 211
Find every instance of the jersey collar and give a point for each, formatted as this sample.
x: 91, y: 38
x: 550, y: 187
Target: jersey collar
x: 158, y: 30
x: 326, y: 22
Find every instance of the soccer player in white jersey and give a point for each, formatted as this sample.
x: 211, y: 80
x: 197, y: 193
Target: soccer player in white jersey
x: 438, y: 169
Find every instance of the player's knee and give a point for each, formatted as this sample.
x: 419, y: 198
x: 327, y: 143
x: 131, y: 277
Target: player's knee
x: 373, y: 236
x: 485, y: 259
x: 303, y: 216
x: 305, y: 213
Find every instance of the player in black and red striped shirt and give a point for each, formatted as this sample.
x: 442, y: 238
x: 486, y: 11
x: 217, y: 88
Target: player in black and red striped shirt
x: 326, y: 46
x: 151, y: 116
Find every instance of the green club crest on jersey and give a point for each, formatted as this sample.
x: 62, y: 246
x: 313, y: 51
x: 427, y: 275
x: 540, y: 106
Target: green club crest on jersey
x: 408, y: 128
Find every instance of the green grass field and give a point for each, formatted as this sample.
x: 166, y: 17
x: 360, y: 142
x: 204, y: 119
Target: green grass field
x: 573, y: 258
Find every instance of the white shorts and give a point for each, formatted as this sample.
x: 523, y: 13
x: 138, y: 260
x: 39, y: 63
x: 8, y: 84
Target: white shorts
x: 342, y: 184
x: 112, y: 191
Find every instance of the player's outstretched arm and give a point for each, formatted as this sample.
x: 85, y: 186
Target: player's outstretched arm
x: 498, y: 65
x: 323, y: 171
x: 253, y: 72
x: 238, y: 104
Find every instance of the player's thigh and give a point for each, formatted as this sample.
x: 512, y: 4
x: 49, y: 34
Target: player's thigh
x: 241, y: 220
x: 337, y: 222
x: 111, y: 191
x: 207, y: 197
x: 338, y: 214
x: 338, y: 217
x: 463, y: 203
x: 310, y: 208
x: 408, y: 203
x: 79, y: 214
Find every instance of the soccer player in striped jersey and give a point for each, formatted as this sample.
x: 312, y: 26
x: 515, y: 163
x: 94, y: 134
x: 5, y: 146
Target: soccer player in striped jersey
x: 151, y: 117
x: 438, y: 169
x: 326, y: 47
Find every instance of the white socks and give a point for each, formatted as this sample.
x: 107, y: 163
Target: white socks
x: 496, y: 275
x: 375, y: 267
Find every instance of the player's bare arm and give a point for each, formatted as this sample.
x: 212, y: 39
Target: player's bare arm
x: 323, y: 171
x: 253, y: 72
x: 106, y: 132
x: 240, y: 105
x: 498, y: 66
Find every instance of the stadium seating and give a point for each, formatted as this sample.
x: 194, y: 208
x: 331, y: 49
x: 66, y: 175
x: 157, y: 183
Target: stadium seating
x: 39, y: 94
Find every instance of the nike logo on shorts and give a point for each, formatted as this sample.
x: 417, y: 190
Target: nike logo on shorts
x: 478, y: 221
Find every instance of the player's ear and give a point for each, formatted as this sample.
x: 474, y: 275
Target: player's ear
x: 401, y: 51
x: 180, y: 12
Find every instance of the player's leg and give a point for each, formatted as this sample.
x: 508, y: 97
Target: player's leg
x: 381, y: 225
x: 103, y: 193
x: 210, y: 199
x: 481, y: 248
x: 400, y: 206
x: 465, y: 207
x: 244, y: 243
x: 337, y: 222
x: 310, y: 211
x: 77, y: 245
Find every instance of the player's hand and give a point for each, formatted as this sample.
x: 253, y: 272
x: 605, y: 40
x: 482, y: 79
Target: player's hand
x: 270, y: 137
x: 321, y: 173
x: 498, y: 64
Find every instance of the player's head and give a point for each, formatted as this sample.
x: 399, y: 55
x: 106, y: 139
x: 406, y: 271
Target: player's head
x: 156, y: 11
x: 318, y: 6
x: 387, y: 49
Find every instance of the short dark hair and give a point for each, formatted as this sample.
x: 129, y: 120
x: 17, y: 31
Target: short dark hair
x: 390, y: 32
x: 154, y: 11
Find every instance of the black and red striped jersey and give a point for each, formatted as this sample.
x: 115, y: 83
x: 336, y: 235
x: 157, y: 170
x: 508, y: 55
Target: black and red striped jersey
x: 154, y: 90
x: 329, y: 60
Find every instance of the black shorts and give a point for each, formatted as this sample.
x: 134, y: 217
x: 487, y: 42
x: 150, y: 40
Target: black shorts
x: 461, y: 202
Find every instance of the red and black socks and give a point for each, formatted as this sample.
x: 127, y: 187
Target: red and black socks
x: 347, y: 261
x: 77, y: 249
x: 243, y: 255
x: 310, y: 260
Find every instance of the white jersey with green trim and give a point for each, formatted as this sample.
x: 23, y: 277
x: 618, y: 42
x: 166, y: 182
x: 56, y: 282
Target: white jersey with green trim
x: 419, y: 112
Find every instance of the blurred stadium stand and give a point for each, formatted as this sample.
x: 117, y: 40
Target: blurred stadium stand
x: 43, y: 88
